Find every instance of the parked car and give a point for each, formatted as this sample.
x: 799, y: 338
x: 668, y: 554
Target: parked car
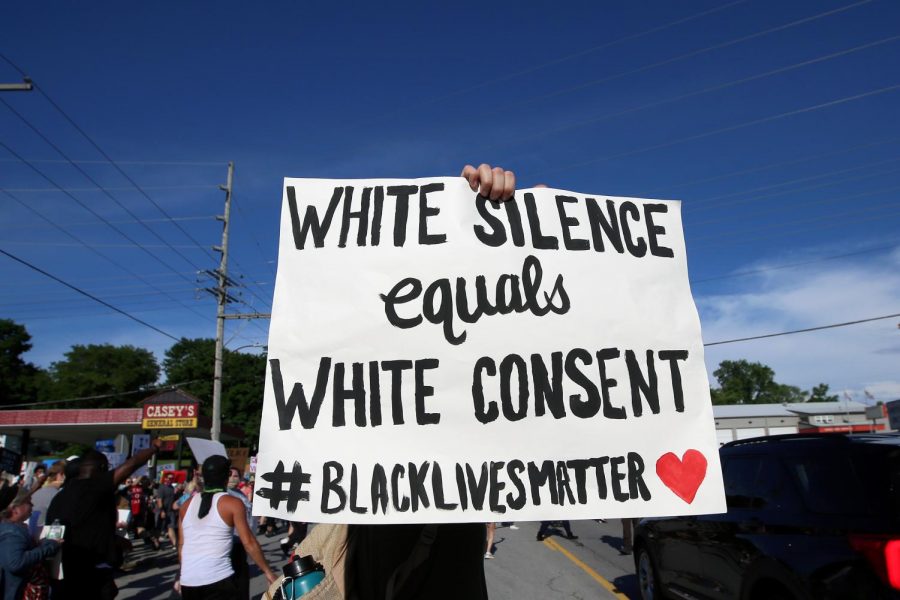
x: 809, y: 517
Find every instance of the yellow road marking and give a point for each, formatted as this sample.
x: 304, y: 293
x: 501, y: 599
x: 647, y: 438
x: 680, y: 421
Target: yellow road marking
x: 553, y: 545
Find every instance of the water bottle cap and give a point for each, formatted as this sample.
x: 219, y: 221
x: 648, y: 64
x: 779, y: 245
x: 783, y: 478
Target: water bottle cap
x: 300, y: 566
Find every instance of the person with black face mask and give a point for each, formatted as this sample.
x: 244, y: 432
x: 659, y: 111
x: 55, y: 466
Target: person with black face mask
x: 206, y: 528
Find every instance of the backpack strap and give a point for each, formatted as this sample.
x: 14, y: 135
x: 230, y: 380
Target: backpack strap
x: 420, y: 552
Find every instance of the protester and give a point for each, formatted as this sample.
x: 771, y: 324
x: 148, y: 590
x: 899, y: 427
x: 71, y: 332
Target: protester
x: 20, y: 556
x: 39, y: 473
x: 142, y: 525
x: 297, y: 531
x: 543, y: 531
x: 166, y: 514
x: 40, y: 500
x: 628, y: 535
x: 489, y: 545
x: 454, y: 553
x: 188, y: 491
x: 86, y: 506
x: 238, y: 554
x: 206, y: 535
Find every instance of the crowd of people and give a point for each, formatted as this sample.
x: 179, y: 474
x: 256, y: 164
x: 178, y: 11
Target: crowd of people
x: 66, y: 529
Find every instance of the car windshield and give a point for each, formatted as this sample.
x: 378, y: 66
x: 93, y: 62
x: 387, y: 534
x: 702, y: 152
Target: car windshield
x: 865, y: 481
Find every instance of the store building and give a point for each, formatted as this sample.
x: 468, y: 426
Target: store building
x: 742, y: 421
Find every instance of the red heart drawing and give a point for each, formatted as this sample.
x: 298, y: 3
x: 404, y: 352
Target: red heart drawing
x: 682, y: 476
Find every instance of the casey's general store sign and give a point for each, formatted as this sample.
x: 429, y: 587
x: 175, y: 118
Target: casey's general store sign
x: 170, y: 415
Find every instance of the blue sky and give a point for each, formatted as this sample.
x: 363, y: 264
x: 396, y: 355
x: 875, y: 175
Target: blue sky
x: 775, y: 123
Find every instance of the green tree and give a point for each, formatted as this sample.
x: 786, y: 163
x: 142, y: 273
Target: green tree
x: 820, y: 393
x: 102, y: 369
x: 20, y: 381
x: 744, y: 382
x: 191, y: 363
x: 188, y: 363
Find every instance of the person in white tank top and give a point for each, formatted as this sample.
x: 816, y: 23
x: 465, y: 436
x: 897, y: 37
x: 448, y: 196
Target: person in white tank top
x: 206, y: 527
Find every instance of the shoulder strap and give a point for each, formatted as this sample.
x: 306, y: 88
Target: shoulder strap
x: 417, y: 557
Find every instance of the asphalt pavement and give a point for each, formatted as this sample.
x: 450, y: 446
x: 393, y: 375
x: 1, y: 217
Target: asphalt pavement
x: 588, y: 568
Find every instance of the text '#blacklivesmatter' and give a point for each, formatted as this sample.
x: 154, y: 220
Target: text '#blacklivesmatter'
x: 495, y: 485
x: 624, y: 225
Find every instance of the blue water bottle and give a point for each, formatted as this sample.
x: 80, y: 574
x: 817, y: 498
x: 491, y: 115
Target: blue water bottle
x: 301, y: 575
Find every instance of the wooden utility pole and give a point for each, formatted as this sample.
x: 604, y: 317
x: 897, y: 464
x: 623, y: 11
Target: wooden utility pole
x: 221, y: 301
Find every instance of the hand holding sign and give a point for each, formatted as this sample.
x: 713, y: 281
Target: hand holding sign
x: 438, y: 355
x: 494, y: 183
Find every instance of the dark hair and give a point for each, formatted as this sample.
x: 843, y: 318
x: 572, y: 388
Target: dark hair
x: 215, y: 472
x: 72, y: 468
x: 91, y: 462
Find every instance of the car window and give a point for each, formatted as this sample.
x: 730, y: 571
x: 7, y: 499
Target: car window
x: 739, y: 477
x: 757, y: 482
x: 828, y: 483
x: 878, y: 468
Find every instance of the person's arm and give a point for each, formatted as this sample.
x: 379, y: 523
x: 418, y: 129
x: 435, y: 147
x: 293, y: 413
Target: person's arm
x: 131, y: 465
x: 491, y: 182
x: 181, y: 514
x: 18, y: 559
x: 237, y: 514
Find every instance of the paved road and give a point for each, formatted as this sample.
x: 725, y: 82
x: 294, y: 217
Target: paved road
x: 588, y: 568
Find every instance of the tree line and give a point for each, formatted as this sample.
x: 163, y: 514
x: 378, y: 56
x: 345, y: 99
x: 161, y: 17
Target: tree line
x: 105, y: 376
x: 110, y: 376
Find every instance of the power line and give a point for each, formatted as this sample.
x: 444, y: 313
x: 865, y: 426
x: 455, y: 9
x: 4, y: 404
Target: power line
x: 176, y: 163
x: 827, y: 174
x: 101, y: 396
x: 67, y: 245
x: 99, y: 187
x: 100, y: 254
x: 720, y: 130
x: 808, y: 329
x: 796, y: 205
x: 567, y: 57
x: 775, y: 165
x: 111, y: 189
x: 253, y: 237
x: 842, y: 217
x: 17, y: 284
x: 84, y: 293
x: 20, y: 226
x: 144, y: 298
x: 794, y: 231
x: 90, y: 210
x: 791, y: 265
x: 686, y: 55
x: 109, y: 159
x: 699, y: 92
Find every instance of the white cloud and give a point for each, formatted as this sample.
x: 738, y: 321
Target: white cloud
x: 853, y: 358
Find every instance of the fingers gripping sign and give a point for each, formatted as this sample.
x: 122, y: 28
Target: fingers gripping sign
x: 494, y: 183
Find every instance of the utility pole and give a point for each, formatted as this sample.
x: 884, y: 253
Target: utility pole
x: 221, y: 300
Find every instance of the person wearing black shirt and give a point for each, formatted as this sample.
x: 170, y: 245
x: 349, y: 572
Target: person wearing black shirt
x: 86, y: 505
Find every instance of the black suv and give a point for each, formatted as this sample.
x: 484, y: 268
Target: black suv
x: 809, y: 517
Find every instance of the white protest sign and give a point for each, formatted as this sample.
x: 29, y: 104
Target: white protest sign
x: 436, y: 357
x: 203, y: 449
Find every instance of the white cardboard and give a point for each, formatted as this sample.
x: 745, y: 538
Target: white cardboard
x: 328, y: 303
x: 203, y: 449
